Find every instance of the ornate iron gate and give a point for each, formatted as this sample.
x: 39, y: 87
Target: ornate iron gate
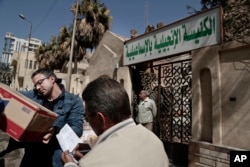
x: 170, y: 86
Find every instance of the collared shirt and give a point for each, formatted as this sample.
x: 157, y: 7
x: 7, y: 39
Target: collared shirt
x: 110, y: 131
x: 146, y: 111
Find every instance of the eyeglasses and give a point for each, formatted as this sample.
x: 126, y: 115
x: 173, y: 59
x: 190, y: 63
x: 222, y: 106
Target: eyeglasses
x: 39, y: 82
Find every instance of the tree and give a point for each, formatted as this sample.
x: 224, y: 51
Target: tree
x: 93, y: 20
x: 236, y: 20
x: 236, y: 17
x: 206, y: 4
x: 133, y: 33
x: 6, y: 73
x: 64, y: 41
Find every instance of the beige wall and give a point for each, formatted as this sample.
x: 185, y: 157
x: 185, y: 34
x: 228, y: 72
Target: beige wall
x: 235, y: 93
x: 221, y: 93
x: 22, y: 77
x: 107, y: 60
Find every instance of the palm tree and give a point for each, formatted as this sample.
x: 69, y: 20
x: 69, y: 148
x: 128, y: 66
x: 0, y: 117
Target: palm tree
x: 45, y: 54
x: 93, y: 20
x: 133, y: 33
x: 55, y: 54
x: 64, y: 41
x: 6, y: 73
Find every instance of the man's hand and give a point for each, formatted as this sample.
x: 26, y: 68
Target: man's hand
x: 80, y: 150
x: 48, y: 135
x: 77, y: 153
x: 67, y: 157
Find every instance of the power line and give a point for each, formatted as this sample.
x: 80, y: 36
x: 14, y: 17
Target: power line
x: 46, y: 15
x: 146, y: 13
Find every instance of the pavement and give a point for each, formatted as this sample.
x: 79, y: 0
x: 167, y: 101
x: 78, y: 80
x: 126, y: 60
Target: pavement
x: 11, y: 159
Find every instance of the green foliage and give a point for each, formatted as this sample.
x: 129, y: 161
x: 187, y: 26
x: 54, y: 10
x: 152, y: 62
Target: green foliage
x: 92, y: 22
x: 206, y: 4
x: 6, y: 73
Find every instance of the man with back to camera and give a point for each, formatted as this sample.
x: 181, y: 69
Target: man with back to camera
x: 146, y: 110
x: 120, y: 141
x: 51, y: 94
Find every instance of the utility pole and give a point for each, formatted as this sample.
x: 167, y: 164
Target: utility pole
x: 68, y: 81
x: 27, y: 55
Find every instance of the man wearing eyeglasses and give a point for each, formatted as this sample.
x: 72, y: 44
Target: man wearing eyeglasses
x: 51, y: 94
x: 120, y: 142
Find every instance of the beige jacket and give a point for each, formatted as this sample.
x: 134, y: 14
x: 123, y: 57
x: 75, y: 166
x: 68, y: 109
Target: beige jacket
x: 146, y: 111
x: 126, y: 145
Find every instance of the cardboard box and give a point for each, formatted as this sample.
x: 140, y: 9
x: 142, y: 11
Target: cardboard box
x: 23, y: 119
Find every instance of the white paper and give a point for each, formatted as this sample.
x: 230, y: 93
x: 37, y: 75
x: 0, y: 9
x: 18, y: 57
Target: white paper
x: 67, y: 138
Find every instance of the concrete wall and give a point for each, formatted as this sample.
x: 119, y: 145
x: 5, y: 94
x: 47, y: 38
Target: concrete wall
x: 106, y: 57
x: 107, y: 60
x: 220, y: 95
x: 207, y: 154
x: 206, y: 61
x: 235, y: 79
x: 22, y: 77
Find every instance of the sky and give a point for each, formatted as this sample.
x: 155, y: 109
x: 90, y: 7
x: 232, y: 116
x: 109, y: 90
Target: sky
x: 47, y: 16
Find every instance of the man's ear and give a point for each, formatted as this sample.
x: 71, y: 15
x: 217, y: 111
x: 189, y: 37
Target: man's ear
x: 101, y: 119
x: 53, y: 79
x: 104, y: 121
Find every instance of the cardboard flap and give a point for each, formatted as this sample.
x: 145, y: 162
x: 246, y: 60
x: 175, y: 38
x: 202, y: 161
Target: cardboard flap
x: 40, y: 123
x: 18, y: 113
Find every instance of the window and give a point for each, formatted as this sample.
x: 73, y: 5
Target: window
x: 30, y: 66
x: 26, y: 64
x: 35, y: 64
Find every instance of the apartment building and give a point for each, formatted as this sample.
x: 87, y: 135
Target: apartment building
x: 24, y: 63
x: 23, y: 67
x: 19, y: 54
x: 14, y: 44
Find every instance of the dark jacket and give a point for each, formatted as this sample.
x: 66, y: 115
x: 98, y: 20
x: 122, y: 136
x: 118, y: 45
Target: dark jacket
x: 69, y: 108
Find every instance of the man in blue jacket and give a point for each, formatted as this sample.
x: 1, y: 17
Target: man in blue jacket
x: 51, y: 94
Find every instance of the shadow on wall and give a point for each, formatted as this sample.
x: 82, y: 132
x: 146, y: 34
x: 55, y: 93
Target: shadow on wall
x: 206, y: 98
x: 177, y: 153
x: 2, y: 162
